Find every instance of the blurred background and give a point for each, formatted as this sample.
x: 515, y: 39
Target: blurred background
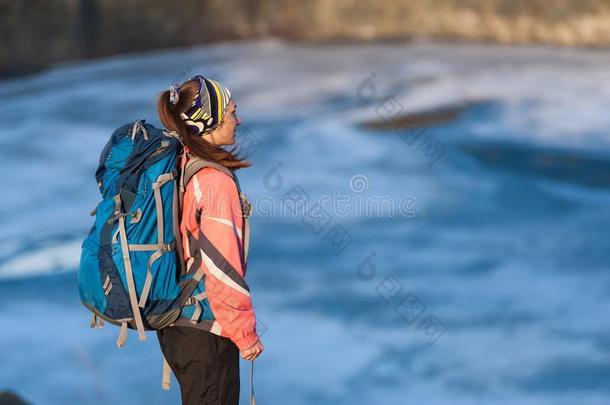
x: 450, y: 160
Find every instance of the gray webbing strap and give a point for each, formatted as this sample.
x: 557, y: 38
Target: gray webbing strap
x: 246, y: 240
x: 152, y: 246
x: 201, y: 296
x: 161, y: 247
x: 107, y: 285
x: 122, y: 335
x: 133, y: 299
x: 199, y: 274
x: 198, y: 306
x: 246, y: 208
x: 148, y: 280
x: 134, y: 130
x: 96, y: 322
x: 196, y: 313
x: 177, y: 234
x: 161, y: 180
x: 181, y: 182
x: 245, y: 230
x: 194, y: 298
x: 133, y: 247
x: 195, y: 164
x: 136, y: 216
x: 166, y: 375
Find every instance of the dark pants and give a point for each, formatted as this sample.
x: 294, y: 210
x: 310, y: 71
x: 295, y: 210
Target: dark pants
x: 206, y: 365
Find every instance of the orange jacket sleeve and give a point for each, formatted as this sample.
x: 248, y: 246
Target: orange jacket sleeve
x: 219, y: 217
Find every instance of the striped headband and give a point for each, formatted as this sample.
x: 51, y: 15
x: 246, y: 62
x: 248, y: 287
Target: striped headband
x: 208, y: 107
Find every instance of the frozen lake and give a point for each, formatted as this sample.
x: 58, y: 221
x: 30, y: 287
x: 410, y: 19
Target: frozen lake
x: 472, y: 272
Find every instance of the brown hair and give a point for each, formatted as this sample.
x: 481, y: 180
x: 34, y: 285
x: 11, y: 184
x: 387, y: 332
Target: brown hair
x: 169, y: 114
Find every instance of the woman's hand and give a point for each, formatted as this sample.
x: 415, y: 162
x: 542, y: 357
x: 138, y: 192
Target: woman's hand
x: 253, y: 351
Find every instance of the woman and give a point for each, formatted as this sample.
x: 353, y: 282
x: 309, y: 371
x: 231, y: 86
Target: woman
x: 205, y: 356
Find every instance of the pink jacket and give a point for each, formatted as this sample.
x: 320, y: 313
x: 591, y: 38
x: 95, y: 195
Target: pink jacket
x: 211, y: 228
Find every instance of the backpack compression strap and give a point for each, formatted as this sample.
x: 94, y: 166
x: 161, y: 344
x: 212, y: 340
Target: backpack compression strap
x: 131, y: 288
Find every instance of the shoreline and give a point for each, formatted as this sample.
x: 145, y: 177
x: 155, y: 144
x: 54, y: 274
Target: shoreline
x: 36, y: 38
x: 302, y: 43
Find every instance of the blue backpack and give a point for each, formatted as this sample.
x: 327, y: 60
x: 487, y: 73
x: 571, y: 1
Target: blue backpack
x: 132, y: 273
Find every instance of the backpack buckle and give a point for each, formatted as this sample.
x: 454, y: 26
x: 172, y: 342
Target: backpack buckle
x: 135, y: 216
x: 246, y: 206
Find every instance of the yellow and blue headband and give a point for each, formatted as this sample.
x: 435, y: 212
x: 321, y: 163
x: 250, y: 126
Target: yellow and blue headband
x: 208, y: 108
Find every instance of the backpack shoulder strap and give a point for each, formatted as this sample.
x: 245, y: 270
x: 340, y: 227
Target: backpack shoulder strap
x: 196, y: 164
x: 192, y: 167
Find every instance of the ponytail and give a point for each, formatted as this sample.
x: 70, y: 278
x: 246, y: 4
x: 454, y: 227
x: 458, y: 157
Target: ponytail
x: 169, y: 114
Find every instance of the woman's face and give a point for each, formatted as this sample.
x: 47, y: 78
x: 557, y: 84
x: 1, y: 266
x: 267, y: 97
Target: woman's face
x: 225, y: 133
